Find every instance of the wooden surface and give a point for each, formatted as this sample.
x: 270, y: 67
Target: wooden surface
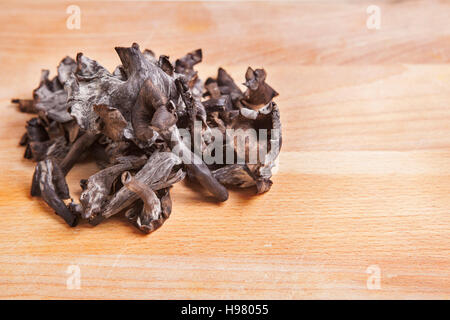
x: 364, y: 174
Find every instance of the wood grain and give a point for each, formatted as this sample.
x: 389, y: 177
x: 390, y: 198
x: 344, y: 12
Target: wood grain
x: 363, y: 179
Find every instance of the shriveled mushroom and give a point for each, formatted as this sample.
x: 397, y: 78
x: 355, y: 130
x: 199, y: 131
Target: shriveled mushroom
x: 161, y: 171
x: 150, y: 213
x: 253, y: 111
x: 49, y: 98
x: 97, y: 189
x: 258, y: 91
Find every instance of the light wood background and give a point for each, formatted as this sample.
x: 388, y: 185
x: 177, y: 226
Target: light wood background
x: 364, y: 175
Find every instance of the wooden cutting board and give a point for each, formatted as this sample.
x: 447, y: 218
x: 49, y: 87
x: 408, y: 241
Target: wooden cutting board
x: 360, y: 206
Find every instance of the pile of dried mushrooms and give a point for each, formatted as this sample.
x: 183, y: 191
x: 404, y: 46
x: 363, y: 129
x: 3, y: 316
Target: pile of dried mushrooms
x: 129, y: 122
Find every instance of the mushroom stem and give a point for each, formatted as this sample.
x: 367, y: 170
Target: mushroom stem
x: 80, y: 145
x: 150, y: 213
x: 134, y: 213
x: 152, y: 206
x: 195, y: 166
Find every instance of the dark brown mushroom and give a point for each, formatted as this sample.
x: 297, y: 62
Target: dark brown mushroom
x: 258, y: 91
x: 152, y: 211
x: 161, y: 171
x: 49, y: 182
x: 76, y: 151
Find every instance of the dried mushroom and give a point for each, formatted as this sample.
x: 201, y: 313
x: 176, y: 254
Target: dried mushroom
x: 148, y: 125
